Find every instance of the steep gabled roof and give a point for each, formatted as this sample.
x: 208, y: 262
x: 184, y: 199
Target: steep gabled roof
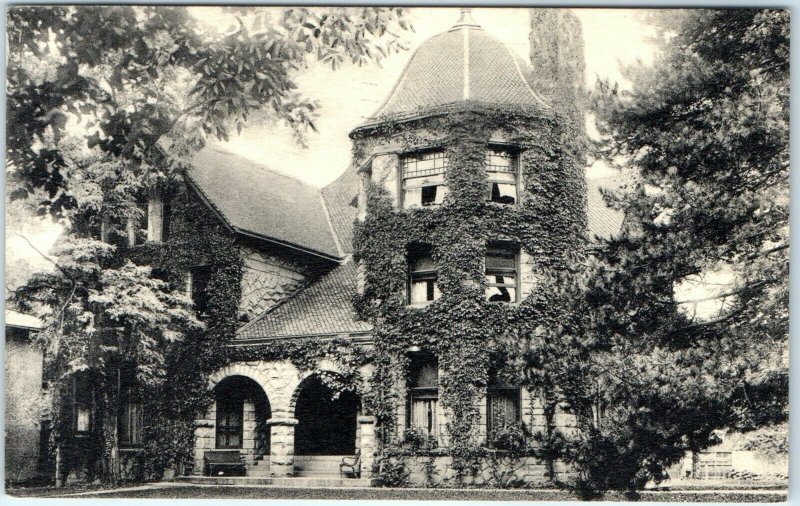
x: 324, y: 308
x: 256, y: 201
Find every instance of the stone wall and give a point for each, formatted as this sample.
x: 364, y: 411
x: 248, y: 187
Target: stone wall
x: 267, y: 279
x: 281, y: 382
x: 23, y: 370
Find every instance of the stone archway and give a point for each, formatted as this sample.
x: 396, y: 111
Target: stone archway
x: 241, y: 414
x: 237, y: 420
x: 327, y: 420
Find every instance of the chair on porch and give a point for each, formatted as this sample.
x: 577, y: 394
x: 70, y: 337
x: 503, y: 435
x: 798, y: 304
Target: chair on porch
x: 351, y: 465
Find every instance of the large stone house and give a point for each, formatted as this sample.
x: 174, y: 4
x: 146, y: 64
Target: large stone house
x: 311, y: 275
x: 285, y: 420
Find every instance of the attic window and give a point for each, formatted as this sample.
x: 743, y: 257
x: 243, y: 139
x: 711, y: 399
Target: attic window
x: 501, y: 169
x: 423, y: 178
x: 153, y: 222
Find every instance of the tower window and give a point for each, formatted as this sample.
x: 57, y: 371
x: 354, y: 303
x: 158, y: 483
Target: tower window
x: 424, y: 395
x: 423, y: 178
x: 501, y: 169
x: 501, y: 273
x: 422, y: 287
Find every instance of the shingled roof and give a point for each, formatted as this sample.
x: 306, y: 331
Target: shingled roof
x: 464, y: 65
x: 324, y: 308
x: 259, y: 202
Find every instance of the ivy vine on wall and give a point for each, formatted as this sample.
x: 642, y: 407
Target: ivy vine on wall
x: 462, y: 328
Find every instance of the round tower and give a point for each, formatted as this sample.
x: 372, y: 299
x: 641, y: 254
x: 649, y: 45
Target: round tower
x: 472, y: 193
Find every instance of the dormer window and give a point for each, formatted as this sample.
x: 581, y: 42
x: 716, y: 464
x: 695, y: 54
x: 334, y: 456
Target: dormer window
x: 501, y: 169
x: 501, y: 273
x: 422, y: 287
x: 423, y: 178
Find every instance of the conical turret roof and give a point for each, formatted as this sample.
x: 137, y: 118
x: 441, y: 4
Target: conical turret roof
x: 464, y: 65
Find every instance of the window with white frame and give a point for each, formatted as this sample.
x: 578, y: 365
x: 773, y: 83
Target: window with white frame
x: 424, y: 395
x: 423, y: 178
x: 501, y: 272
x: 501, y: 170
x: 422, y: 287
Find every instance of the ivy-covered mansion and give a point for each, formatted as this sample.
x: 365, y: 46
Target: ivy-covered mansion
x: 374, y: 320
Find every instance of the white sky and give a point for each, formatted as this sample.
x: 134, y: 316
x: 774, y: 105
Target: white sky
x: 351, y: 94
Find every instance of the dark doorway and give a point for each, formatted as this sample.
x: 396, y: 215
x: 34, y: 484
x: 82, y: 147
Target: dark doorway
x: 325, y: 425
x: 231, y: 395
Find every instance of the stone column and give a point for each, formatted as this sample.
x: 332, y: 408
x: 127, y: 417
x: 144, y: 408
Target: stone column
x: 281, y: 455
x: 204, y: 434
x: 249, y: 431
x: 367, y: 444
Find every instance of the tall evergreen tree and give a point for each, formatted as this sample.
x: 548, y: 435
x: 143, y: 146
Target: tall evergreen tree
x: 680, y: 324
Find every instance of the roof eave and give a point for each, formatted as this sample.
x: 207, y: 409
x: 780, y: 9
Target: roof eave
x: 286, y: 244
x: 355, y: 336
x: 537, y: 111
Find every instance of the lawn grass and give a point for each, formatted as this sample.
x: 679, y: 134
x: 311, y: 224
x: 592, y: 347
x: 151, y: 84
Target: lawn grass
x: 269, y: 492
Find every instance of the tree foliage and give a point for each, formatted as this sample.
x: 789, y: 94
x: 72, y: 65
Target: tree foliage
x: 92, y: 89
x: 706, y: 130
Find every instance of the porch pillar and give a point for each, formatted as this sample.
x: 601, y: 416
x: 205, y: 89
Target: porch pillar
x: 281, y: 454
x: 367, y: 444
x: 204, y: 432
x: 249, y: 431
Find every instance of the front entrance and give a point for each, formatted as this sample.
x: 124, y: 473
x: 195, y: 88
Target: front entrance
x: 240, y: 424
x: 326, y: 420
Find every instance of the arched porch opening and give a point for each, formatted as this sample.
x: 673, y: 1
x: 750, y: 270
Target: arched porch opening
x: 326, y: 419
x: 242, y: 411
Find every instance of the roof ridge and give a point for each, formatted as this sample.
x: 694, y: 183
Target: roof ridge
x: 262, y: 167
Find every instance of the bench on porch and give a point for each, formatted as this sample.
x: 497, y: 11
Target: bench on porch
x: 224, y: 462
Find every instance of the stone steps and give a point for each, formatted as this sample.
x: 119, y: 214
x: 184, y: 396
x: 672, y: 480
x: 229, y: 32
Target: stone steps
x: 317, y: 465
x: 277, y: 482
x: 259, y: 469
